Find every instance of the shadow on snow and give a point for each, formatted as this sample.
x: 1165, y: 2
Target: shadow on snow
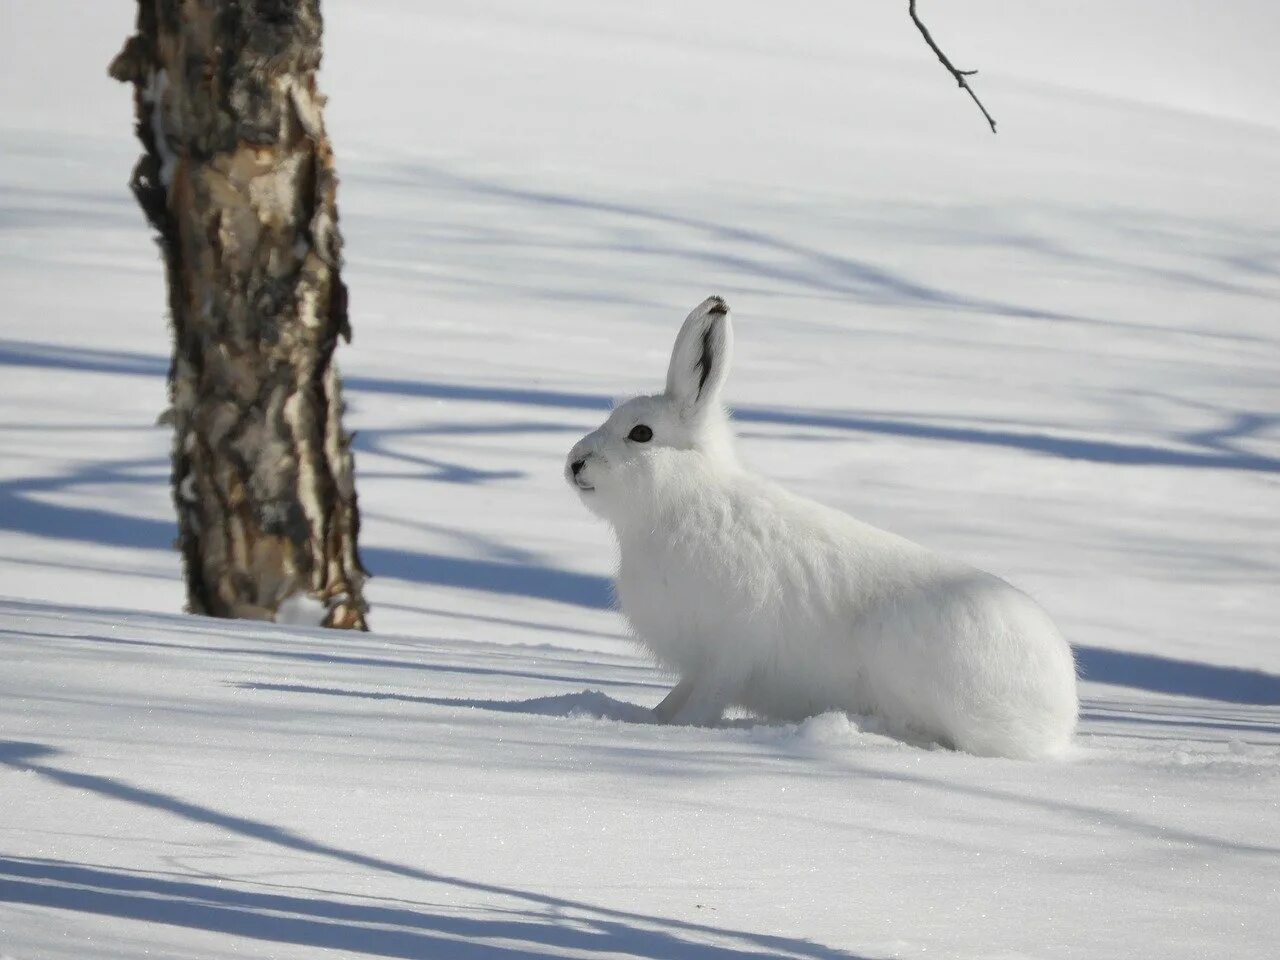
x: 534, y: 581
x: 1213, y: 453
x: 541, y: 926
x: 22, y: 512
x: 587, y: 703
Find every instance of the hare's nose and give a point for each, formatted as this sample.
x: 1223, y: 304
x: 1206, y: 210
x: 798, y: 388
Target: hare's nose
x: 577, y: 466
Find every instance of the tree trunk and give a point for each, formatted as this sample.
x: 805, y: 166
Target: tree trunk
x: 237, y: 177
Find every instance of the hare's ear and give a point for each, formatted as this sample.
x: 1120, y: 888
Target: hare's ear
x: 700, y: 359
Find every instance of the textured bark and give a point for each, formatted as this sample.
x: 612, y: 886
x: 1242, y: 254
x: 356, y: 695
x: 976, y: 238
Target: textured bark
x: 237, y: 178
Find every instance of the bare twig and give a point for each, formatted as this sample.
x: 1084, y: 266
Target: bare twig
x: 951, y: 68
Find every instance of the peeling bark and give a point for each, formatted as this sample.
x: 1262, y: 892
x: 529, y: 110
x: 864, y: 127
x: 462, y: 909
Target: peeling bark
x: 237, y: 178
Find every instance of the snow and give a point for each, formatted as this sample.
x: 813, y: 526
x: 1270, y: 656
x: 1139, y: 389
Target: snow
x: 197, y: 788
x: 1052, y: 352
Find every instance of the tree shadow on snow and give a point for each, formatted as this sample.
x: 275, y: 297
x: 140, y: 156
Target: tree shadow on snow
x: 24, y: 506
x: 1212, y: 449
x: 347, y: 660
x: 357, y: 929
x: 23, y: 511
x: 549, y: 228
x: 1185, y: 678
x: 587, y: 703
x: 531, y: 580
x: 541, y: 924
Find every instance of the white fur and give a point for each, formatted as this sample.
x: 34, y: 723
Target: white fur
x: 762, y: 599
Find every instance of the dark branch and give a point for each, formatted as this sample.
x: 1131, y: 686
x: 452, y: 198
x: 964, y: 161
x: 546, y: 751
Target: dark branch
x: 951, y: 68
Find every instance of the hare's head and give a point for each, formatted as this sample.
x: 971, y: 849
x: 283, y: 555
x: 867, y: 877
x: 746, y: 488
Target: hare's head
x: 647, y: 434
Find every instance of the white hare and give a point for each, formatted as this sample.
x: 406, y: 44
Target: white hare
x: 759, y: 598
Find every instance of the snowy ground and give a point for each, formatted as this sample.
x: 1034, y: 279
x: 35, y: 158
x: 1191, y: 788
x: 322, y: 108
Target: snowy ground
x: 200, y: 790
x: 1055, y: 352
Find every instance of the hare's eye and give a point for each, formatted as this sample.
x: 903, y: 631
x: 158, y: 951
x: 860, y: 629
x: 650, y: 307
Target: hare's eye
x: 640, y: 433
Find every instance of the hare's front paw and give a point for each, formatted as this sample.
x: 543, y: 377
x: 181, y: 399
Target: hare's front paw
x: 673, y: 702
x: 692, y: 702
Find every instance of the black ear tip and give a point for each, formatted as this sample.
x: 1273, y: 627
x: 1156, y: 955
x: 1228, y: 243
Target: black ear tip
x: 717, y: 307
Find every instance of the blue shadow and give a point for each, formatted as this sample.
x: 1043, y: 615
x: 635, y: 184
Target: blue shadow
x: 1183, y: 678
x: 588, y: 703
x: 359, y: 928
x: 1140, y: 671
x: 1214, y: 455
x: 92, y: 525
x: 412, y: 932
x: 491, y: 576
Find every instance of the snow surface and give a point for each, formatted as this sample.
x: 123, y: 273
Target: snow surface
x: 1053, y: 352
